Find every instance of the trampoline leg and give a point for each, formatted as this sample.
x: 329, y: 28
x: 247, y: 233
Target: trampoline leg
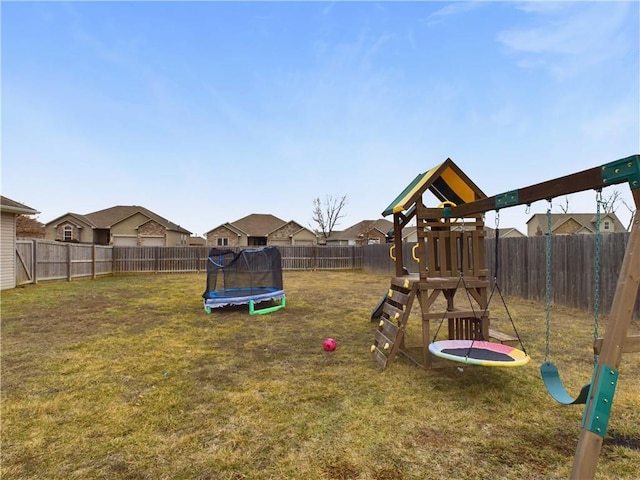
x: 207, y: 309
x: 262, y: 311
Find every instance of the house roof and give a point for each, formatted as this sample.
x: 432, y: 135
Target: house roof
x: 294, y: 223
x: 446, y: 181
x: 258, y: 224
x: 586, y: 220
x: 111, y: 216
x: 11, y: 206
x: 504, y: 232
x: 359, y: 229
x: 77, y: 217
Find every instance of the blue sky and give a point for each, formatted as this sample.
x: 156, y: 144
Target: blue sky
x: 205, y: 112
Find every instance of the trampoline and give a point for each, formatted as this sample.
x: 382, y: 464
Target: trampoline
x: 477, y: 352
x: 250, y: 276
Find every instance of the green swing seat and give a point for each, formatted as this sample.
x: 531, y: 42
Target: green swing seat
x: 553, y: 384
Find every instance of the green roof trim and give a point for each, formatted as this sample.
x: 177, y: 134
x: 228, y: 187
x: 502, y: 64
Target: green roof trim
x: 411, y: 186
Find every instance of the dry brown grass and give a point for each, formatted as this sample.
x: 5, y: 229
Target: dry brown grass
x: 128, y: 378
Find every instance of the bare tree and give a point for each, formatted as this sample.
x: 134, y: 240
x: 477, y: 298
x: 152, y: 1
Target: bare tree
x: 609, y: 203
x: 326, y: 214
x: 632, y: 210
x: 29, y: 227
x: 565, y: 206
x: 366, y: 231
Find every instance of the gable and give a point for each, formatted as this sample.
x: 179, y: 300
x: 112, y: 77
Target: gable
x: 73, y: 219
x: 151, y: 227
x: 130, y: 223
x: 258, y: 224
x: 569, y: 225
x: 114, y: 215
x: 290, y: 229
x: 447, y: 182
x: 378, y: 228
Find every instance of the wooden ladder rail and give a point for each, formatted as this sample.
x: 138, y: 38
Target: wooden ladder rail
x: 389, y: 337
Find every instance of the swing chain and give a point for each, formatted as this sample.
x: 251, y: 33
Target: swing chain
x: 548, y: 283
x: 596, y: 284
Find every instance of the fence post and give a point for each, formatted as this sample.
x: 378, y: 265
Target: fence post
x: 314, y: 257
x: 68, y: 262
x: 34, y: 262
x: 93, y: 260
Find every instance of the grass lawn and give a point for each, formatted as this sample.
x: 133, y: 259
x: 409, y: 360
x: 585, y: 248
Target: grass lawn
x: 128, y: 378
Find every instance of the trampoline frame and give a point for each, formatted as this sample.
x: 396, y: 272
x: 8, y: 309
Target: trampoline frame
x: 220, y: 298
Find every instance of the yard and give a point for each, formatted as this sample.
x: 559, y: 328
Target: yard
x: 126, y: 377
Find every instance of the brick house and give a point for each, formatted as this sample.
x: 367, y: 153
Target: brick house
x: 573, y: 223
x: 260, y: 229
x: 129, y: 225
x: 366, y: 232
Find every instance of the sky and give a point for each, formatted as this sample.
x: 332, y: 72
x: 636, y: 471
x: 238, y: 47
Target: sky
x: 205, y: 112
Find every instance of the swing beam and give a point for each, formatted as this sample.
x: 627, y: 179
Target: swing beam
x: 615, y: 341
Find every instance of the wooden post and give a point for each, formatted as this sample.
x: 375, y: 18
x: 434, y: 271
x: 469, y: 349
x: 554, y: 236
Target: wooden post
x: 93, y: 261
x: 589, y: 443
x: 34, y: 265
x: 397, y: 241
x: 68, y: 262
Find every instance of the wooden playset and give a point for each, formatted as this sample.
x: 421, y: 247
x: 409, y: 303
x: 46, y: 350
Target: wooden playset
x: 451, y: 249
x: 450, y: 254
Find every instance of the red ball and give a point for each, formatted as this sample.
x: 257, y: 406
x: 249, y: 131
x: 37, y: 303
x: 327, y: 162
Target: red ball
x: 329, y: 345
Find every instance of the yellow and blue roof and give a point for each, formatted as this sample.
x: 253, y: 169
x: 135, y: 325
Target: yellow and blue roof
x: 446, y: 181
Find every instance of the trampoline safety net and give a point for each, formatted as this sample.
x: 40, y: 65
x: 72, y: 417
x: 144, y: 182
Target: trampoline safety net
x: 248, y: 269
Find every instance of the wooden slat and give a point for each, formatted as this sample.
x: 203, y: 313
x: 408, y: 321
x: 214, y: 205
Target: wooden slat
x: 453, y: 314
x: 630, y: 345
x: 380, y: 358
x: 452, y: 282
x: 397, y: 296
x: 394, y: 313
x: 503, y: 337
x: 404, y: 283
x: 382, y: 340
x: 389, y: 328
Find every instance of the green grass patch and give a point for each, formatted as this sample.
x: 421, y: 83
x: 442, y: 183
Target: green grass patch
x: 127, y: 377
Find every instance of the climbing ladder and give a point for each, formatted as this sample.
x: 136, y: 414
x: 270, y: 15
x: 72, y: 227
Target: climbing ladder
x: 389, y: 337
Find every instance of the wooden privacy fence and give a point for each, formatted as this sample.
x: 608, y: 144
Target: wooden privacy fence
x: 40, y: 260
x: 522, y: 267
x: 48, y: 260
x: 522, y: 263
x: 194, y: 259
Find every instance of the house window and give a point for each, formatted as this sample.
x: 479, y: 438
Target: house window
x: 607, y: 225
x: 222, y: 242
x: 67, y: 233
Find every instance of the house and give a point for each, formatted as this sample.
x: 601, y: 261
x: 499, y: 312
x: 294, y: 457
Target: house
x: 260, y: 229
x: 9, y: 210
x: 573, y: 223
x: 123, y: 225
x: 197, y: 241
x: 505, y: 232
x: 366, y: 232
x: 409, y: 234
